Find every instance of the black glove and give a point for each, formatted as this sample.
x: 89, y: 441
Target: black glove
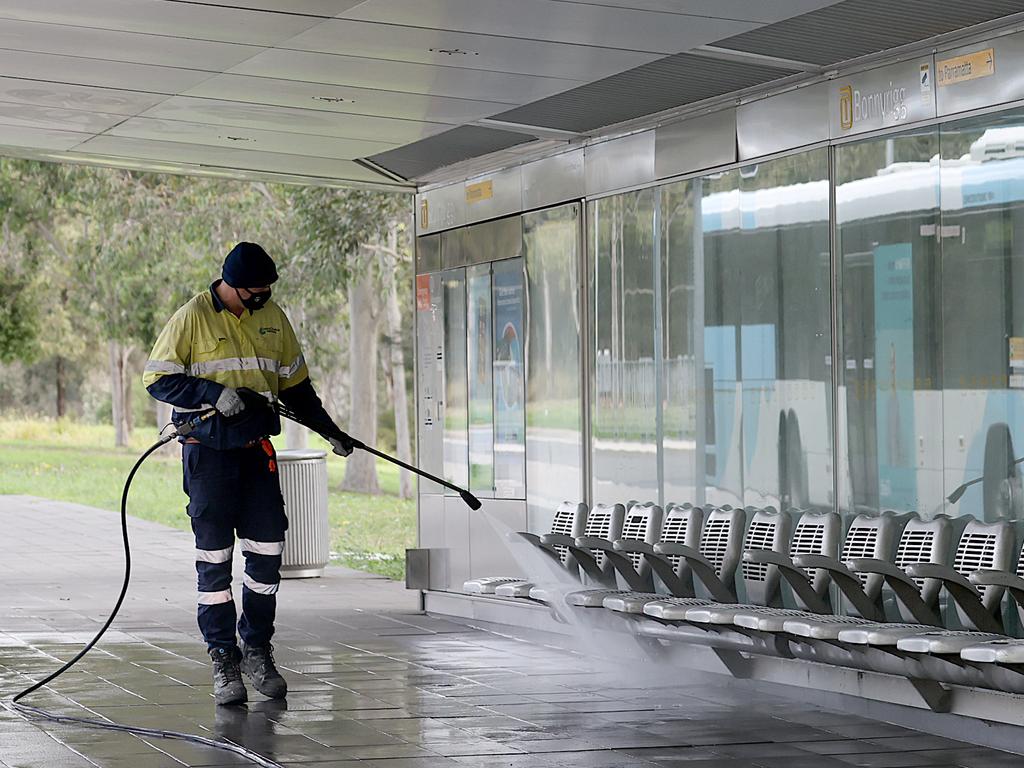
x: 342, y: 445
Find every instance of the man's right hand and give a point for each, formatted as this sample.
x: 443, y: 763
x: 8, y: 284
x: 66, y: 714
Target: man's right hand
x: 229, y: 403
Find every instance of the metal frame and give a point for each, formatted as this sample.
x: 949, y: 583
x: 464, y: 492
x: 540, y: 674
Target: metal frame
x: 583, y: 281
x: 835, y: 303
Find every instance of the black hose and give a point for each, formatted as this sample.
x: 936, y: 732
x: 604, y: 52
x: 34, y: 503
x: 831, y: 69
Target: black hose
x: 41, y: 714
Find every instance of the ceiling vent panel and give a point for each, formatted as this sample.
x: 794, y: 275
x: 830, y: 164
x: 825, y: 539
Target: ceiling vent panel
x: 669, y: 82
x: 855, y: 28
x: 462, y: 143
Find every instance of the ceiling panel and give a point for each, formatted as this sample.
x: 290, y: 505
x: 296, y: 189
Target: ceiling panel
x: 122, y: 46
x: 498, y: 54
x: 763, y: 11
x: 346, y: 99
x: 121, y: 146
x: 558, y: 22
x: 400, y: 76
x: 190, y: 169
x: 61, y: 119
x: 83, y: 97
x: 326, y: 8
x: 460, y: 143
x: 159, y: 17
x: 113, y: 74
x: 248, y: 138
x: 291, y: 120
x: 39, y: 138
x: 669, y: 82
x: 855, y: 28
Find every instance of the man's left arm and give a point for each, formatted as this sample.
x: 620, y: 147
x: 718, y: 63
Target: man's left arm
x: 295, y: 389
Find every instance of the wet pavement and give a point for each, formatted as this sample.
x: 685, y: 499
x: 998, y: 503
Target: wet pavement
x: 373, y: 682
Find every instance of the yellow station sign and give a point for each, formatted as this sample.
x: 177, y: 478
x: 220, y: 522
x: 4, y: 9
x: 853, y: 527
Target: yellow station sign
x: 970, y: 66
x: 482, y: 190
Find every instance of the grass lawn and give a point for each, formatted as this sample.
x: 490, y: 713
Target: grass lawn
x: 77, y: 462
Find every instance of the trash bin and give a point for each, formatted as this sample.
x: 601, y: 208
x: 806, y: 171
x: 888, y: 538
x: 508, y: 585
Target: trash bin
x: 307, y: 543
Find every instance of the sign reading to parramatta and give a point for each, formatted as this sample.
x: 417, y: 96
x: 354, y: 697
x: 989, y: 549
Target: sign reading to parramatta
x: 882, y: 98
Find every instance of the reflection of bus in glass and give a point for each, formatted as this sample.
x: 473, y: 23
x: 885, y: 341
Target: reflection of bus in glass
x: 927, y: 397
x: 767, y: 345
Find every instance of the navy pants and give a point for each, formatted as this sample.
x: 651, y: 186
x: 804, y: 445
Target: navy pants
x: 235, y: 491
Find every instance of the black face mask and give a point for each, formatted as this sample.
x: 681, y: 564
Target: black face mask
x: 255, y: 300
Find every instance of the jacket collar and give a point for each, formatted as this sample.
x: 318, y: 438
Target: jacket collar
x: 217, y: 303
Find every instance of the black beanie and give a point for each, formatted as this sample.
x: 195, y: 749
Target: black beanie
x: 248, y: 266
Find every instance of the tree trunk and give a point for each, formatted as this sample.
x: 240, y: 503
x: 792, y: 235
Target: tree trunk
x: 62, y: 391
x: 117, y: 404
x: 62, y: 385
x: 295, y: 435
x: 361, y: 467
x: 397, y: 364
x: 126, y: 385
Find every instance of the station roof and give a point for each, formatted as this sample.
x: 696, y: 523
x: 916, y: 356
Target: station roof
x: 387, y: 92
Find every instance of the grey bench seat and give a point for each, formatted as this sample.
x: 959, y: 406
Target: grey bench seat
x: 949, y: 642
x: 673, y: 608
x: 1003, y: 650
x: 570, y: 519
x: 690, y: 553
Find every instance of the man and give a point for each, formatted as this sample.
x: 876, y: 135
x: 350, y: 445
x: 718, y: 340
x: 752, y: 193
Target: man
x: 226, y: 338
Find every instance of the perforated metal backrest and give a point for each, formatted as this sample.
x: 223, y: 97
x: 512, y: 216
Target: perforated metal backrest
x: 570, y: 520
x: 682, y: 525
x: 984, y: 547
x: 924, y: 541
x: 605, y: 522
x: 871, y: 536
x: 721, y: 541
x: 817, y: 533
x: 643, y: 523
x: 769, y: 530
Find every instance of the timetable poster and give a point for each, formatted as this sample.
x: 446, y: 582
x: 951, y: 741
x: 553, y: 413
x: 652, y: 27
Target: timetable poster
x: 509, y: 380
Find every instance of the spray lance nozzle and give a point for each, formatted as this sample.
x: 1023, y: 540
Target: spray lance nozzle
x: 328, y: 430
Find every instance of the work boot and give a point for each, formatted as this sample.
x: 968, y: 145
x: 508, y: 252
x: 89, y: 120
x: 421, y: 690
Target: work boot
x: 258, y: 664
x: 228, y: 687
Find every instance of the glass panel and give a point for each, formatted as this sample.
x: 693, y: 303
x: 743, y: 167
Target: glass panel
x: 493, y: 240
x: 428, y: 254
x: 551, y: 241
x: 982, y: 292
x: 481, y: 423
x: 509, y: 381
x: 782, y: 270
x: 723, y: 297
x: 456, y: 444
x: 453, y: 248
x: 890, y: 437
x: 682, y: 322
x: 624, y: 402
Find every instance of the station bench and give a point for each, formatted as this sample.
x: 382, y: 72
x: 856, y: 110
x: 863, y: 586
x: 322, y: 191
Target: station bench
x: 760, y: 581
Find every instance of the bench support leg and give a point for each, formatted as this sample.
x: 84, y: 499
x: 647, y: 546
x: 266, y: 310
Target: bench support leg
x: 734, y: 661
x: 935, y: 695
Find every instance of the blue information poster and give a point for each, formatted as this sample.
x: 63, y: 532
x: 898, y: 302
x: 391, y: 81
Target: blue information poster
x: 509, y: 388
x: 894, y: 376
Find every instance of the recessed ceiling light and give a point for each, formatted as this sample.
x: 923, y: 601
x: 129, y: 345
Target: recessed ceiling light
x: 454, y: 52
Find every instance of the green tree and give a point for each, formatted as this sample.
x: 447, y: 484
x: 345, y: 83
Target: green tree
x: 340, y: 236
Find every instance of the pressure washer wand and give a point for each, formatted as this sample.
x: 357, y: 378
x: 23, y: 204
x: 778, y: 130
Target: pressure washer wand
x: 330, y: 430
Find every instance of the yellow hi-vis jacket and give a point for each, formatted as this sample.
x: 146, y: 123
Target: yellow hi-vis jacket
x: 205, y: 347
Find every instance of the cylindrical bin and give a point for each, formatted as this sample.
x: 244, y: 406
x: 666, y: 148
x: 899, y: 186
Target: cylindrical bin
x: 307, y: 543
